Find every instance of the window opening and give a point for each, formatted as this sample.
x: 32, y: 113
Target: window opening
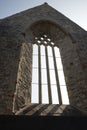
x: 34, y: 97
x: 48, y: 81
x: 42, y: 38
x: 62, y: 83
x: 39, y: 41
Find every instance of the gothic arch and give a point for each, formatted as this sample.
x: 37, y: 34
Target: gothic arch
x: 17, y: 36
x: 59, y: 37
x: 41, y: 27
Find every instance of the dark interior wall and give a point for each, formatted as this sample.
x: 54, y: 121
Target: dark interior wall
x: 74, y: 73
x: 9, y: 60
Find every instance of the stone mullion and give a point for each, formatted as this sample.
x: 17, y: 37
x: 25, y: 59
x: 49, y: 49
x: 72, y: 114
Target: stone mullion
x: 57, y: 79
x: 48, y: 77
x: 39, y: 74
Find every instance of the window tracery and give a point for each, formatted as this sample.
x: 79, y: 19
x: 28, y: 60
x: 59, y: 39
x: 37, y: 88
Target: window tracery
x: 48, y: 81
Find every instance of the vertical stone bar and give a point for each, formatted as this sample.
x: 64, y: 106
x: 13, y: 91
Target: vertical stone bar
x: 56, y: 74
x: 48, y: 77
x: 39, y: 74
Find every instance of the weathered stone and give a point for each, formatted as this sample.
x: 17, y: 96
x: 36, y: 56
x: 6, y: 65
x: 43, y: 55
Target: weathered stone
x: 17, y: 34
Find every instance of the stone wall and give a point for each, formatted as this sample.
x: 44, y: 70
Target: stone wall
x: 23, y: 86
x: 9, y: 60
x: 74, y: 74
x: 16, y: 56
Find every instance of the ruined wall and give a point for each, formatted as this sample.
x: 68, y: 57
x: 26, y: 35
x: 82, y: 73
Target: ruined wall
x: 74, y: 73
x: 72, y: 59
x: 16, y: 61
x: 9, y: 61
x: 23, y: 86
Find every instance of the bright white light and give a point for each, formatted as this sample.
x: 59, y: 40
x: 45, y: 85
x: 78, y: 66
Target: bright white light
x: 61, y: 77
x: 43, y: 57
x: 57, y: 52
x: 35, y: 76
x: 39, y: 41
x: 34, y: 93
x: 49, y: 51
x: 44, y: 76
x: 45, y: 35
x: 62, y: 83
x: 52, y: 77
x: 48, y: 39
x: 42, y: 38
x: 65, y: 99
x: 54, y: 94
x: 34, y: 90
x: 35, y: 49
x: 45, y: 94
x: 42, y: 50
x: 35, y: 61
x: 45, y: 42
x: 52, y: 43
x: 63, y: 88
x: 51, y: 63
x: 59, y: 64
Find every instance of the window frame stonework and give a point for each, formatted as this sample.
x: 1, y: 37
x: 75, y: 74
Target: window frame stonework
x: 46, y: 41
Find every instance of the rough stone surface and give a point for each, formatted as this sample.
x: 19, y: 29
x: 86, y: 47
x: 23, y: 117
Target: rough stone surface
x: 50, y: 110
x: 23, y: 86
x: 16, y: 40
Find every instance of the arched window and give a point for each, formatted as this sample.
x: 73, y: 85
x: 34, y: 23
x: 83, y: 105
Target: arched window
x: 48, y: 81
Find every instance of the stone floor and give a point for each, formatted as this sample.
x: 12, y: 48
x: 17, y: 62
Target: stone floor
x: 49, y: 110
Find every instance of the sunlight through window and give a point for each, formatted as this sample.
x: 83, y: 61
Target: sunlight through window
x: 44, y: 75
x: 62, y: 82
x: 34, y: 91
